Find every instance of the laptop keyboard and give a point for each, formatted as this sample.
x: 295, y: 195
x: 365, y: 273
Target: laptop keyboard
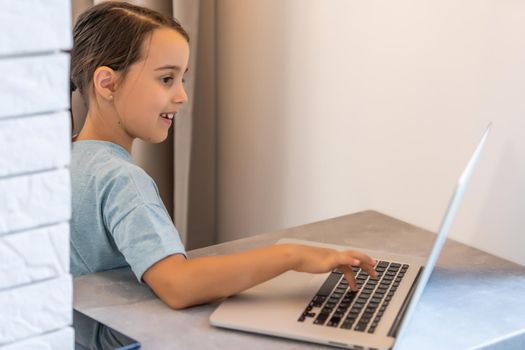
x: 336, y: 305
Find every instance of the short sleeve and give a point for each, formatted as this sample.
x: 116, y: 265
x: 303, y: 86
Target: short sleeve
x: 137, y: 220
x: 145, y: 236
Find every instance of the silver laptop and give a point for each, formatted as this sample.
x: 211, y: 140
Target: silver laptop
x: 322, y: 308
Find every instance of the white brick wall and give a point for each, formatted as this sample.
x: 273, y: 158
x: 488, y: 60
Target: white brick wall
x: 34, y: 200
x: 30, y: 26
x: 61, y: 339
x: 36, y: 308
x: 34, y: 255
x: 34, y: 84
x: 35, y: 206
x: 32, y: 152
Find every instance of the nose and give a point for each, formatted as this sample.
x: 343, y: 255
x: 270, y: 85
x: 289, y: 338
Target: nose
x: 180, y: 96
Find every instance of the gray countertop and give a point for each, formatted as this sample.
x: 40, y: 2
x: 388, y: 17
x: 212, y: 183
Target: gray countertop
x: 473, y: 299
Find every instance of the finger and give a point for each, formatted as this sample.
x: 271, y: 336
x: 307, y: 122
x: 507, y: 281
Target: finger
x: 347, y: 259
x: 366, y: 263
x: 363, y: 257
x: 349, y: 275
x: 369, y: 269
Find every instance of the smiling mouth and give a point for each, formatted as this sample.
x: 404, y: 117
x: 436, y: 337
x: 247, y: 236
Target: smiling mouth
x: 168, y: 116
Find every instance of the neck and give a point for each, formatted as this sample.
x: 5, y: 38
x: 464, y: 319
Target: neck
x: 97, y: 127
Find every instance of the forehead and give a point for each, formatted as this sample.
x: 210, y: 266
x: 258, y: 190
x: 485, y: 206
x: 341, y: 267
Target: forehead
x: 166, y: 47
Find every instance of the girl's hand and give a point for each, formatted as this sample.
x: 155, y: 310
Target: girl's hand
x: 321, y: 260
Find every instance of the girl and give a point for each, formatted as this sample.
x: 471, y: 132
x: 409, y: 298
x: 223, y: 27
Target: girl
x: 128, y: 63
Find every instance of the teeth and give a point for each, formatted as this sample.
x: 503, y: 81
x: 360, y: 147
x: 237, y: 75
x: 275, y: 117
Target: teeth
x: 169, y: 116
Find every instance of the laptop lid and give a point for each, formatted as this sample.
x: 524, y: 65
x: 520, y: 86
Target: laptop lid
x: 443, y: 231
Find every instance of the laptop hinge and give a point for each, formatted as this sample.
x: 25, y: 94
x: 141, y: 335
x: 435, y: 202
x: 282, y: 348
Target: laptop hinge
x: 395, y: 326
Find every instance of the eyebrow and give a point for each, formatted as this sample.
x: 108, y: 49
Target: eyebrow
x: 177, y: 68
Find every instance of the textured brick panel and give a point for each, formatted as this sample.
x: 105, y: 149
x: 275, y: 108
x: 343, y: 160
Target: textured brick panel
x: 34, y: 26
x: 34, y: 84
x: 63, y: 339
x: 34, y: 200
x: 33, y: 256
x: 35, y: 143
x: 35, y: 309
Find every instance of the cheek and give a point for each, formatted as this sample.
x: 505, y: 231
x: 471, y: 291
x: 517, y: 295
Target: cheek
x: 138, y: 105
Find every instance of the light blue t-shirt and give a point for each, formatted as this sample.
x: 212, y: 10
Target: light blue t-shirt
x: 118, y: 218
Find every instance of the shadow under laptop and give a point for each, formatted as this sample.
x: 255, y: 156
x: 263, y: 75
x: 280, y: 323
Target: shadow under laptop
x: 457, y: 301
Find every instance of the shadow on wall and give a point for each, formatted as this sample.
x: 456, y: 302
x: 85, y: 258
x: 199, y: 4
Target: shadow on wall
x: 251, y: 133
x: 502, y: 211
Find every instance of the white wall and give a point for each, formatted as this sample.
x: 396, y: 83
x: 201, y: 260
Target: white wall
x: 36, y: 290
x: 330, y: 107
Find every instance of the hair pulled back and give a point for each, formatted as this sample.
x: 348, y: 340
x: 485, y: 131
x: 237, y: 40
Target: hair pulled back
x: 111, y: 34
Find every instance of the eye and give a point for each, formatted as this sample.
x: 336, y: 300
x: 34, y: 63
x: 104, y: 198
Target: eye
x: 167, y: 80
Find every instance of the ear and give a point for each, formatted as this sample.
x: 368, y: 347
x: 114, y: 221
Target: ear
x: 105, y: 82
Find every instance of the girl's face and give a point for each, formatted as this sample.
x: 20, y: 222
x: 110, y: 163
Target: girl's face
x: 152, y: 91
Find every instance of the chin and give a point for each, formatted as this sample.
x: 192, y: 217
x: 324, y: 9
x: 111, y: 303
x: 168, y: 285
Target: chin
x: 155, y: 139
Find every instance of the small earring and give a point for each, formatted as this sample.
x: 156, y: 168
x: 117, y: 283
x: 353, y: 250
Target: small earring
x: 110, y: 97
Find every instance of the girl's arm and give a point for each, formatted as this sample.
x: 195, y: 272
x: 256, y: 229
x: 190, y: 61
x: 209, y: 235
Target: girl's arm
x: 181, y: 283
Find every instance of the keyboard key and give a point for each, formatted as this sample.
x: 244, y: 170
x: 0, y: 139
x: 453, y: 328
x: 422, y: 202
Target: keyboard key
x: 318, y: 300
x: 339, y: 313
x: 360, y: 327
x: 347, y: 324
x: 329, y: 284
x: 321, y: 318
x: 353, y: 315
x: 382, y: 264
x: 334, y: 321
x: 351, y: 294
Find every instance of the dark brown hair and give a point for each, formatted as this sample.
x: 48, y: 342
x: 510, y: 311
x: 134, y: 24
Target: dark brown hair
x: 112, y: 34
